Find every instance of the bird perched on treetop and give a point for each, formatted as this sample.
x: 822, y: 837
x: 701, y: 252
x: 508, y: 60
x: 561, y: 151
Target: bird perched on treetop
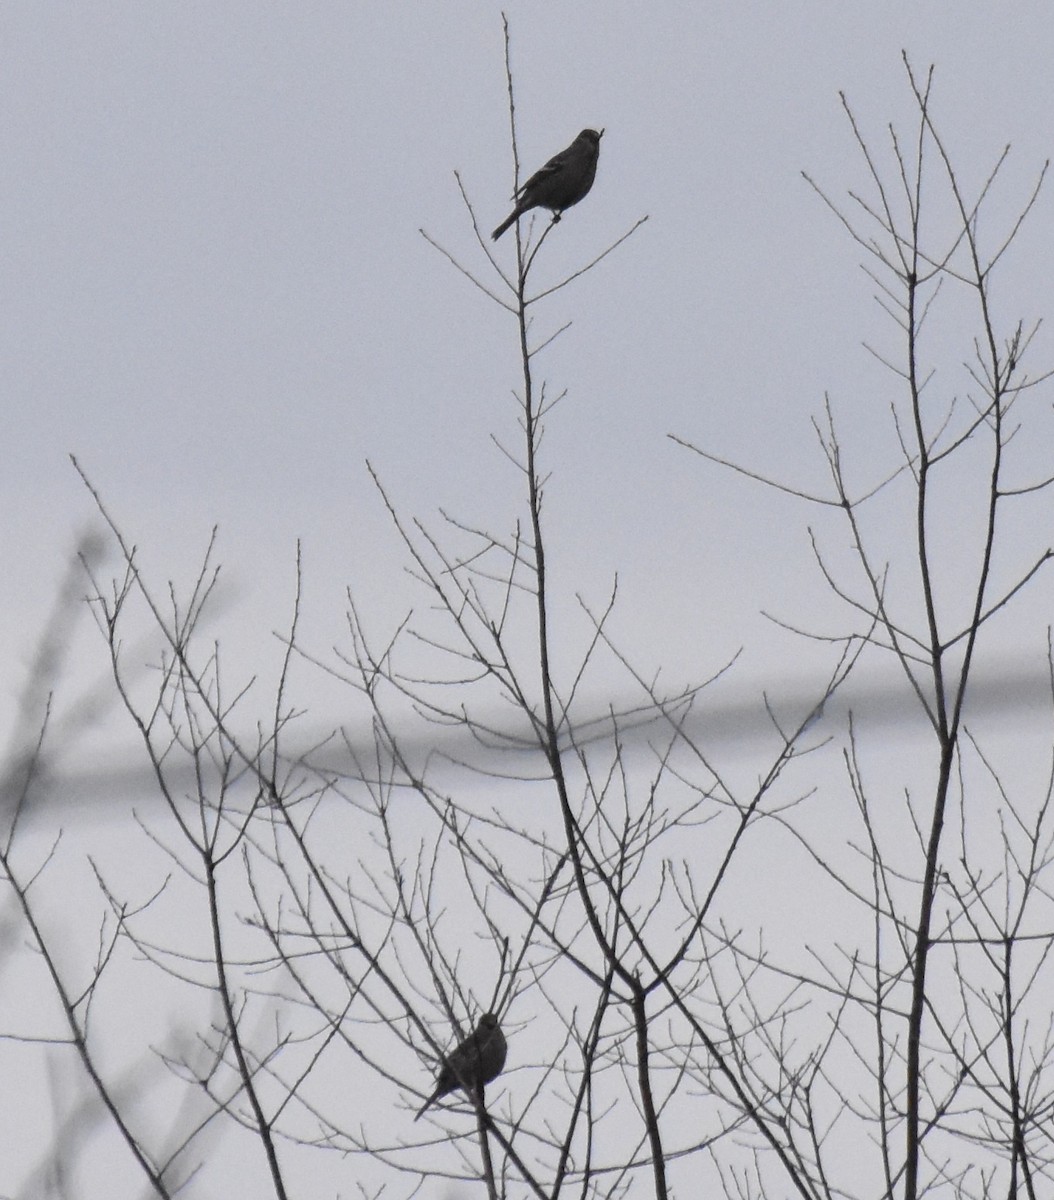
x: 472, y: 1063
x: 564, y: 180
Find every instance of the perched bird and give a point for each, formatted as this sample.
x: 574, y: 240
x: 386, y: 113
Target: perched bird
x: 564, y: 180
x: 472, y: 1063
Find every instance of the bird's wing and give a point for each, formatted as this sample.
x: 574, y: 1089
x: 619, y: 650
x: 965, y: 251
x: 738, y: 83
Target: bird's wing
x: 552, y: 167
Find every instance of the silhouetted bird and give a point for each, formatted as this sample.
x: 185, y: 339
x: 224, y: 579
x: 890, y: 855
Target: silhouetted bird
x: 472, y: 1063
x: 564, y: 180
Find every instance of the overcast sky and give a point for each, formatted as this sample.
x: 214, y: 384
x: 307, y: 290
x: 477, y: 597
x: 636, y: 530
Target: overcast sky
x: 216, y: 295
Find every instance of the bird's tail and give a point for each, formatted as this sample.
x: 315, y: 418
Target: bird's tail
x: 509, y: 220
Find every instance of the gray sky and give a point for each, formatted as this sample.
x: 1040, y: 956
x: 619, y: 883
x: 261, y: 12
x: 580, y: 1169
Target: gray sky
x: 216, y: 295
x: 215, y: 292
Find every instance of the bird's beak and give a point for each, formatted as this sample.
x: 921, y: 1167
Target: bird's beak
x: 601, y: 133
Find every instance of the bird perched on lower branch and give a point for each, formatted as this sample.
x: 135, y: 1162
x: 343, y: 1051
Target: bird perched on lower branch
x: 472, y: 1063
x: 564, y: 180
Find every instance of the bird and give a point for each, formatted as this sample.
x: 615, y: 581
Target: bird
x: 472, y: 1063
x: 564, y: 180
